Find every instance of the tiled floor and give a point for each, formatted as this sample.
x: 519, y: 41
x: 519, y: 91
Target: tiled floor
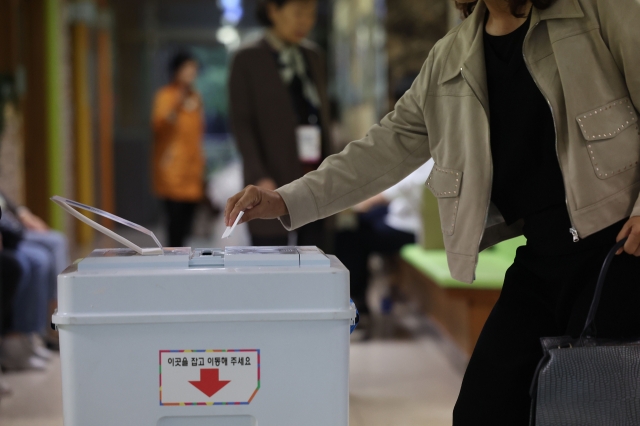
x: 36, y: 399
x: 401, y: 383
x: 408, y: 383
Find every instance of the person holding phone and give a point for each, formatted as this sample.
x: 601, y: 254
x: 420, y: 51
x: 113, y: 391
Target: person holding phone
x: 529, y: 109
x: 178, y: 159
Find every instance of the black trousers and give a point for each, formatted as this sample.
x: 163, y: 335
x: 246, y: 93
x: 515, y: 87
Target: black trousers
x: 179, y: 221
x: 354, y: 247
x: 10, y: 274
x: 312, y: 234
x: 547, y: 292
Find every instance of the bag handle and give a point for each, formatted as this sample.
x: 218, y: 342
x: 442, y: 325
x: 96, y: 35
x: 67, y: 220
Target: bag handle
x: 586, y: 332
x: 67, y: 204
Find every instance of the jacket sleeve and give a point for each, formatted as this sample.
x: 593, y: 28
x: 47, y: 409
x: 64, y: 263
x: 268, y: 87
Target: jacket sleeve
x: 387, y: 154
x: 243, y: 120
x: 621, y: 32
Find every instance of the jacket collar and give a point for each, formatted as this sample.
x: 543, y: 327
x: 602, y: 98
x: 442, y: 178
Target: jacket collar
x: 562, y: 9
x: 467, y: 48
x: 467, y: 45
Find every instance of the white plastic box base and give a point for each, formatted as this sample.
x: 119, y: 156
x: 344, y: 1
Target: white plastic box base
x: 128, y: 324
x: 112, y: 378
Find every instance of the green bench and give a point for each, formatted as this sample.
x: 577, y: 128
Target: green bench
x: 460, y: 309
x: 492, y: 264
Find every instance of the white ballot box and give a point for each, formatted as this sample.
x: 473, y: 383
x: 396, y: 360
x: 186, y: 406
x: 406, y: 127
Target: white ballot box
x: 244, y: 336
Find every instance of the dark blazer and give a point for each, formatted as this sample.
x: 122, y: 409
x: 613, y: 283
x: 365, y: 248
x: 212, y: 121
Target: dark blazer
x: 263, y: 120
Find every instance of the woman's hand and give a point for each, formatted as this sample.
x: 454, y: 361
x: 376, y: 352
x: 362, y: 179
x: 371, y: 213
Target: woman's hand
x: 257, y: 203
x: 631, y: 229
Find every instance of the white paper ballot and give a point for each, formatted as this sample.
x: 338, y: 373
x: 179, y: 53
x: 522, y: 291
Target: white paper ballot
x: 227, y: 233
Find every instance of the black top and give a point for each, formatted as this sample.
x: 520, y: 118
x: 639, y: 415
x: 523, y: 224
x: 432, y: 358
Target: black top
x: 526, y: 173
x: 305, y: 112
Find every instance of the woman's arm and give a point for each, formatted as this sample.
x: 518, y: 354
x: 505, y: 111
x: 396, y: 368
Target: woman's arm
x: 386, y: 155
x: 241, y: 109
x: 389, y: 153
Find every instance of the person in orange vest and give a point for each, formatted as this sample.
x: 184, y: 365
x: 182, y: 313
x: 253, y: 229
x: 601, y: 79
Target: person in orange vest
x: 178, y: 160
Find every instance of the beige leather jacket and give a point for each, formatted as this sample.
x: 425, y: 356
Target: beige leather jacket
x: 584, y: 56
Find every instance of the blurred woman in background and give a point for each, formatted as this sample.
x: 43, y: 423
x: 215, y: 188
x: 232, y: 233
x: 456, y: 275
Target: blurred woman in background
x: 279, y: 108
x: 10, y: 274
x: 178, y: 161
x: 38, y: 254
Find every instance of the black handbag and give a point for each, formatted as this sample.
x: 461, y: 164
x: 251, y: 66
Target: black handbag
x: 588, y: 381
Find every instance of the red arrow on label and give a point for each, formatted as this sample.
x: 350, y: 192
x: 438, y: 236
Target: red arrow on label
x: 210, y: 382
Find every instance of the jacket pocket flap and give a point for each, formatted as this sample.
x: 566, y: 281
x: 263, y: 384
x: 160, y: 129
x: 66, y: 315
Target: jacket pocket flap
x: 444, y: 183
x: 607, y: 121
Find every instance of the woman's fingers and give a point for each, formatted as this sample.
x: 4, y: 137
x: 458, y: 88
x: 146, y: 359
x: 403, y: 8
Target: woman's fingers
x: 254, y: 212
x: 256, y: 203
x: 624, y: 232
x: 632, y: 245
x: 250, y: 197
x: 631, y: 230
x: 231, y: 202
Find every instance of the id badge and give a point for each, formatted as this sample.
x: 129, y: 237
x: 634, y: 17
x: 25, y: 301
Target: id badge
x: 309, y: 140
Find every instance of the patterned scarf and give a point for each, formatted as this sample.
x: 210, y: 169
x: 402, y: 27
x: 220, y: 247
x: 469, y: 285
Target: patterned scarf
x: 292, y: 64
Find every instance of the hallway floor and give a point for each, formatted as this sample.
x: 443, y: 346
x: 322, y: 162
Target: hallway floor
x: 408, y: 383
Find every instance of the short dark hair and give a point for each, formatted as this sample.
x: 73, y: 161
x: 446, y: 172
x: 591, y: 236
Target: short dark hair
x: 515, y: 6
x: 178, y: 60
x: 262, y: 11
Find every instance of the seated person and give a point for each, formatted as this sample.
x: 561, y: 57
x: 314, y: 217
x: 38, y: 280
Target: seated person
x: 42, y: 254
x: 10, y: 275
x: 385, y: 224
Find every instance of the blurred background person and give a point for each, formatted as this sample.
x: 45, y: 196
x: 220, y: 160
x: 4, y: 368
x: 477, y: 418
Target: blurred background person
x: 385, y: 223
x: 10, y: 274
x: 279, y: 109
x: 31, y: 280
x: 178, y: 160
x: 38, y: 234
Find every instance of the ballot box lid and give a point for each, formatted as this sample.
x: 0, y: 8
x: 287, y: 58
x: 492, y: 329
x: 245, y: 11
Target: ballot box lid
x: 184, y: 257
x: 120, y: 286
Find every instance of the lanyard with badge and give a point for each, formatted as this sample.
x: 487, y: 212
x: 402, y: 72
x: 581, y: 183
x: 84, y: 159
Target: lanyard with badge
x: 309, y: 142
